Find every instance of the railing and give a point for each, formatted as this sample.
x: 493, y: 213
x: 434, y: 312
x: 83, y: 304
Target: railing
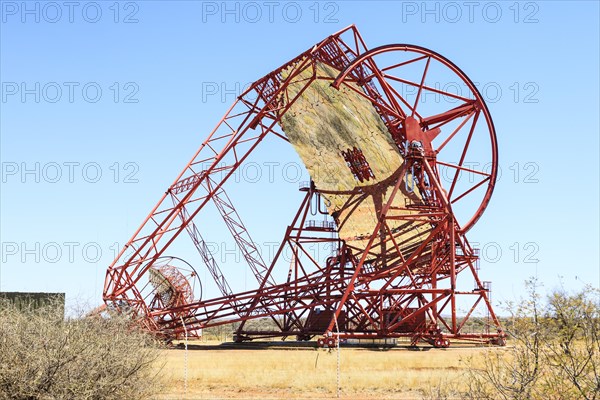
x: 304, y: 186
x: 325, y: 225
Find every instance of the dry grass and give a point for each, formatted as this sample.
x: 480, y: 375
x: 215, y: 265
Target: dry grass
x: 311, y: 373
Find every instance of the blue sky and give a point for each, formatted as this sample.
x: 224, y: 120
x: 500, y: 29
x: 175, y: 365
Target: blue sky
x: 104, y: 103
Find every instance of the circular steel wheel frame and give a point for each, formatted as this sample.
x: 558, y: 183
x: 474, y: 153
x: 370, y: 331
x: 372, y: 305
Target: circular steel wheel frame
x: 180, y: 284
x: 396, y: 110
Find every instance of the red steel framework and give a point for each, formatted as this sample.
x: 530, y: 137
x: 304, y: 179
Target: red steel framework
x: 384, y: 289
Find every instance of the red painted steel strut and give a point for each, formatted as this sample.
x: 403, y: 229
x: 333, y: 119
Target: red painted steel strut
x: 401, y: 283
x: 240, y: 234
x: 204, y: 251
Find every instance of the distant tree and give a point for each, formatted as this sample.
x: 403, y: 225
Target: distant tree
x: 553, y: 350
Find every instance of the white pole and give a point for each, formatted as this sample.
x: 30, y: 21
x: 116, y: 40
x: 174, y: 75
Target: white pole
x: 339, y: 393
x: 185, y: 362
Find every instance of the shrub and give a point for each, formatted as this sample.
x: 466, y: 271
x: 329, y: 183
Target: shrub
x: 553, y: 350
x: 44, y: 356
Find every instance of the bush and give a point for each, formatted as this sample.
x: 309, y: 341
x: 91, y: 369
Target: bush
x: 43, y: 356
x: 553, y: 350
